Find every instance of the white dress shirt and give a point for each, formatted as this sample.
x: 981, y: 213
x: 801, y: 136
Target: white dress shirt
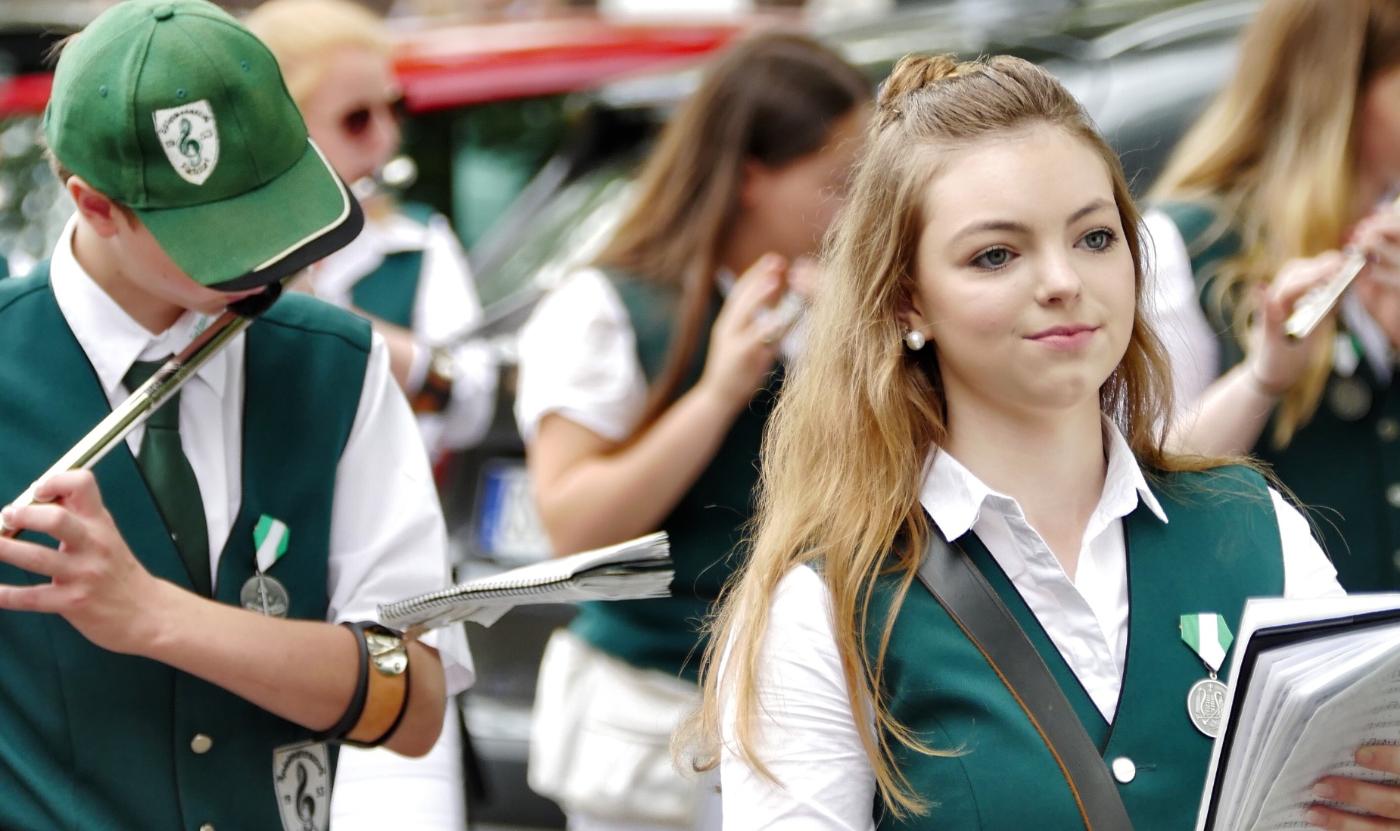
x: 807, y: 733
x: 387, y: 537
x: 446, y: 305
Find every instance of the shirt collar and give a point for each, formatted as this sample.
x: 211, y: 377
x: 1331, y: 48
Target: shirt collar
x: 1374, y: 342
x: 111, y: 338
x: 954, y: 497
x: 381, y: 237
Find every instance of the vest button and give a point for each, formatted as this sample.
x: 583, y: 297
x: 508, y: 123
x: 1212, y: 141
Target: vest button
x: 1388, y: 429
x: 1392, y: 495
x: 1124, y: 770
x: 201, y: 743
x: 208, y: 826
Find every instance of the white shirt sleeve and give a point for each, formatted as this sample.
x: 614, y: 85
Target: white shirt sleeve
x: 806, y: 732
x: 446, y: 305
x: 578, y: 358
x: 388, y: 539
x: 1307, y: 573
x: 1174, y: 310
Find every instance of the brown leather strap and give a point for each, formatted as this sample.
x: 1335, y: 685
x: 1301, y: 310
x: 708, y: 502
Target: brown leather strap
x: 974, y: 606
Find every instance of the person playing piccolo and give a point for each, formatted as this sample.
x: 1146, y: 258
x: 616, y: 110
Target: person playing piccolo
x: 172, y: 656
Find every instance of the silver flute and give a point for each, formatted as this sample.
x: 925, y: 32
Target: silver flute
x: 1313, y: 307
x: 148, y: 397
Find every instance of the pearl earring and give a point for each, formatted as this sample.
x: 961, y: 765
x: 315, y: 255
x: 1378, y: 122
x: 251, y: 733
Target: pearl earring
x: 914, y: 340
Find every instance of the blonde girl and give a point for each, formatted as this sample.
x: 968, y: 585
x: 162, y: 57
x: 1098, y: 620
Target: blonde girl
x: 978, y: 369
x: 406, y: 272
x: 1297, y: 158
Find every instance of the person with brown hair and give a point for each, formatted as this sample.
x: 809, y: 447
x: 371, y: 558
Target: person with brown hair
x: 1295, y: 161
x: 978, y: 374
x: 644, y: 386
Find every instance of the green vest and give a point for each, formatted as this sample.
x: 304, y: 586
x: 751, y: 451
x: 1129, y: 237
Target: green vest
x: 1220, y: 547
x: 90, y: 739
x: 1344, y: 464
x: 391, y: 291
x: 705, y: 527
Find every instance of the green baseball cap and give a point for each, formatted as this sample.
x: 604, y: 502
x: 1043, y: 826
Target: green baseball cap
x: 173, y: 109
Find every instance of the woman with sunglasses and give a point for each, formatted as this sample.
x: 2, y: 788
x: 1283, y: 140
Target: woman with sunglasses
x: 645, y: 382
x: 407, y: 272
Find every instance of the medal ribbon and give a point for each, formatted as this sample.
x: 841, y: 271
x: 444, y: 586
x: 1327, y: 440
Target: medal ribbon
x: 270, y: 537
x: 1208, y: 636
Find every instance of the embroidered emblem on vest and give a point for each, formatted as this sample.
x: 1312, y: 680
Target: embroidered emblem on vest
x: 190, y: 139
x: 302, y: 775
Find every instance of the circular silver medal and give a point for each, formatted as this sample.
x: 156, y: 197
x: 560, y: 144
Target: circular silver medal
x: 264, y: 595
x: 1205, y: 704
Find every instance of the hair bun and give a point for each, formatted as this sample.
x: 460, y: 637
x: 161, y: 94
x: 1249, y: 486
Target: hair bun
x: 915, y: 72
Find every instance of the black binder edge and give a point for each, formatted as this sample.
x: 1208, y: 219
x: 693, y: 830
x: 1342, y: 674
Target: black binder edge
x: 1273, y: 637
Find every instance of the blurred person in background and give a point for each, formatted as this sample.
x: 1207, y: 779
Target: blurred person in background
x: 1297, y: 159
x: 406, y: 273
x: 645, y: 382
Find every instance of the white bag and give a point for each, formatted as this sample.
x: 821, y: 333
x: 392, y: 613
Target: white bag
x: 600, y: 736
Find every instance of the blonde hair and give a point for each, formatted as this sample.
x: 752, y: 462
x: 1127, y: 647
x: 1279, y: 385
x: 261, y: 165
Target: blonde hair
x: 850, y: 502
x: 772, y: 99
x: 304, y: 34
x: 1275, y: 154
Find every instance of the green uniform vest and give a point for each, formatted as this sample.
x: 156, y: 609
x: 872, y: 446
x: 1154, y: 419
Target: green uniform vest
x: 390, y: 292
x: 706, y: 525
x: 1344, y: 464
x: 90, y: 739
x: 1220, y: 547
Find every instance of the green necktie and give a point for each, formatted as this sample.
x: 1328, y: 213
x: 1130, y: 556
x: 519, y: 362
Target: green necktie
x: 171, y: 479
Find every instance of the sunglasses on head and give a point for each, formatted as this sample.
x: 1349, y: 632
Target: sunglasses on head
x: 356, y: 122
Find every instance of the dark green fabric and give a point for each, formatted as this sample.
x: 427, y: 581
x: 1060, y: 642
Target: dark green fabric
x: 1220, y: 547
x: 94, y: 740
x: 705, y: 528
x: 1343, y: 466
x: 390, y: 292
x: 168, y: 474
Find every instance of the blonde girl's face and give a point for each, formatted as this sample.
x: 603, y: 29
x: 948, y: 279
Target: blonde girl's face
x: 1025, y: 283
x: 353, y: 113
x: 1378, y: 126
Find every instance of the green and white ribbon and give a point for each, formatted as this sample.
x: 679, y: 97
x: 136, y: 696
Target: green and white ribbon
x: 1208, y: 636
x: 270, y: 537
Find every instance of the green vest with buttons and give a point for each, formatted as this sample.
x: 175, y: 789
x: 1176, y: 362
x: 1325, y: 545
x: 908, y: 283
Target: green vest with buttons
x: 90, y: 739
x: 705, y: 528
x: 390, y: 292
x: 1220, y: 547
x: 1344, y: 464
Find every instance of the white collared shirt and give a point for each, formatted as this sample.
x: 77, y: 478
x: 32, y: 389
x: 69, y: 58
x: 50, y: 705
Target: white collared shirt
x: 387, y: 541
x: 446, y: 304
x: 807, y: 733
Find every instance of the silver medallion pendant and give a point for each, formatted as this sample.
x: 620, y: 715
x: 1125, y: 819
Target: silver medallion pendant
x: 264, y: 595
x: 1205, y: 704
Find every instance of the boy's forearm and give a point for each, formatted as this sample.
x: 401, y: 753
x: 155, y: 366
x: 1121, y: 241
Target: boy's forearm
x: 303, y: 671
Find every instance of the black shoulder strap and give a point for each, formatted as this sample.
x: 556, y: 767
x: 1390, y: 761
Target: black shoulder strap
x: 973, y: 604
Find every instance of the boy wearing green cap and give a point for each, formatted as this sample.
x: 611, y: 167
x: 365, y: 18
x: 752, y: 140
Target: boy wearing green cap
x: 149, y: 678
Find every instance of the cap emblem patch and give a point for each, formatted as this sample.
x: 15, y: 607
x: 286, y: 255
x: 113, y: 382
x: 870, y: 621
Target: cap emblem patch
x: 190, y: 139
